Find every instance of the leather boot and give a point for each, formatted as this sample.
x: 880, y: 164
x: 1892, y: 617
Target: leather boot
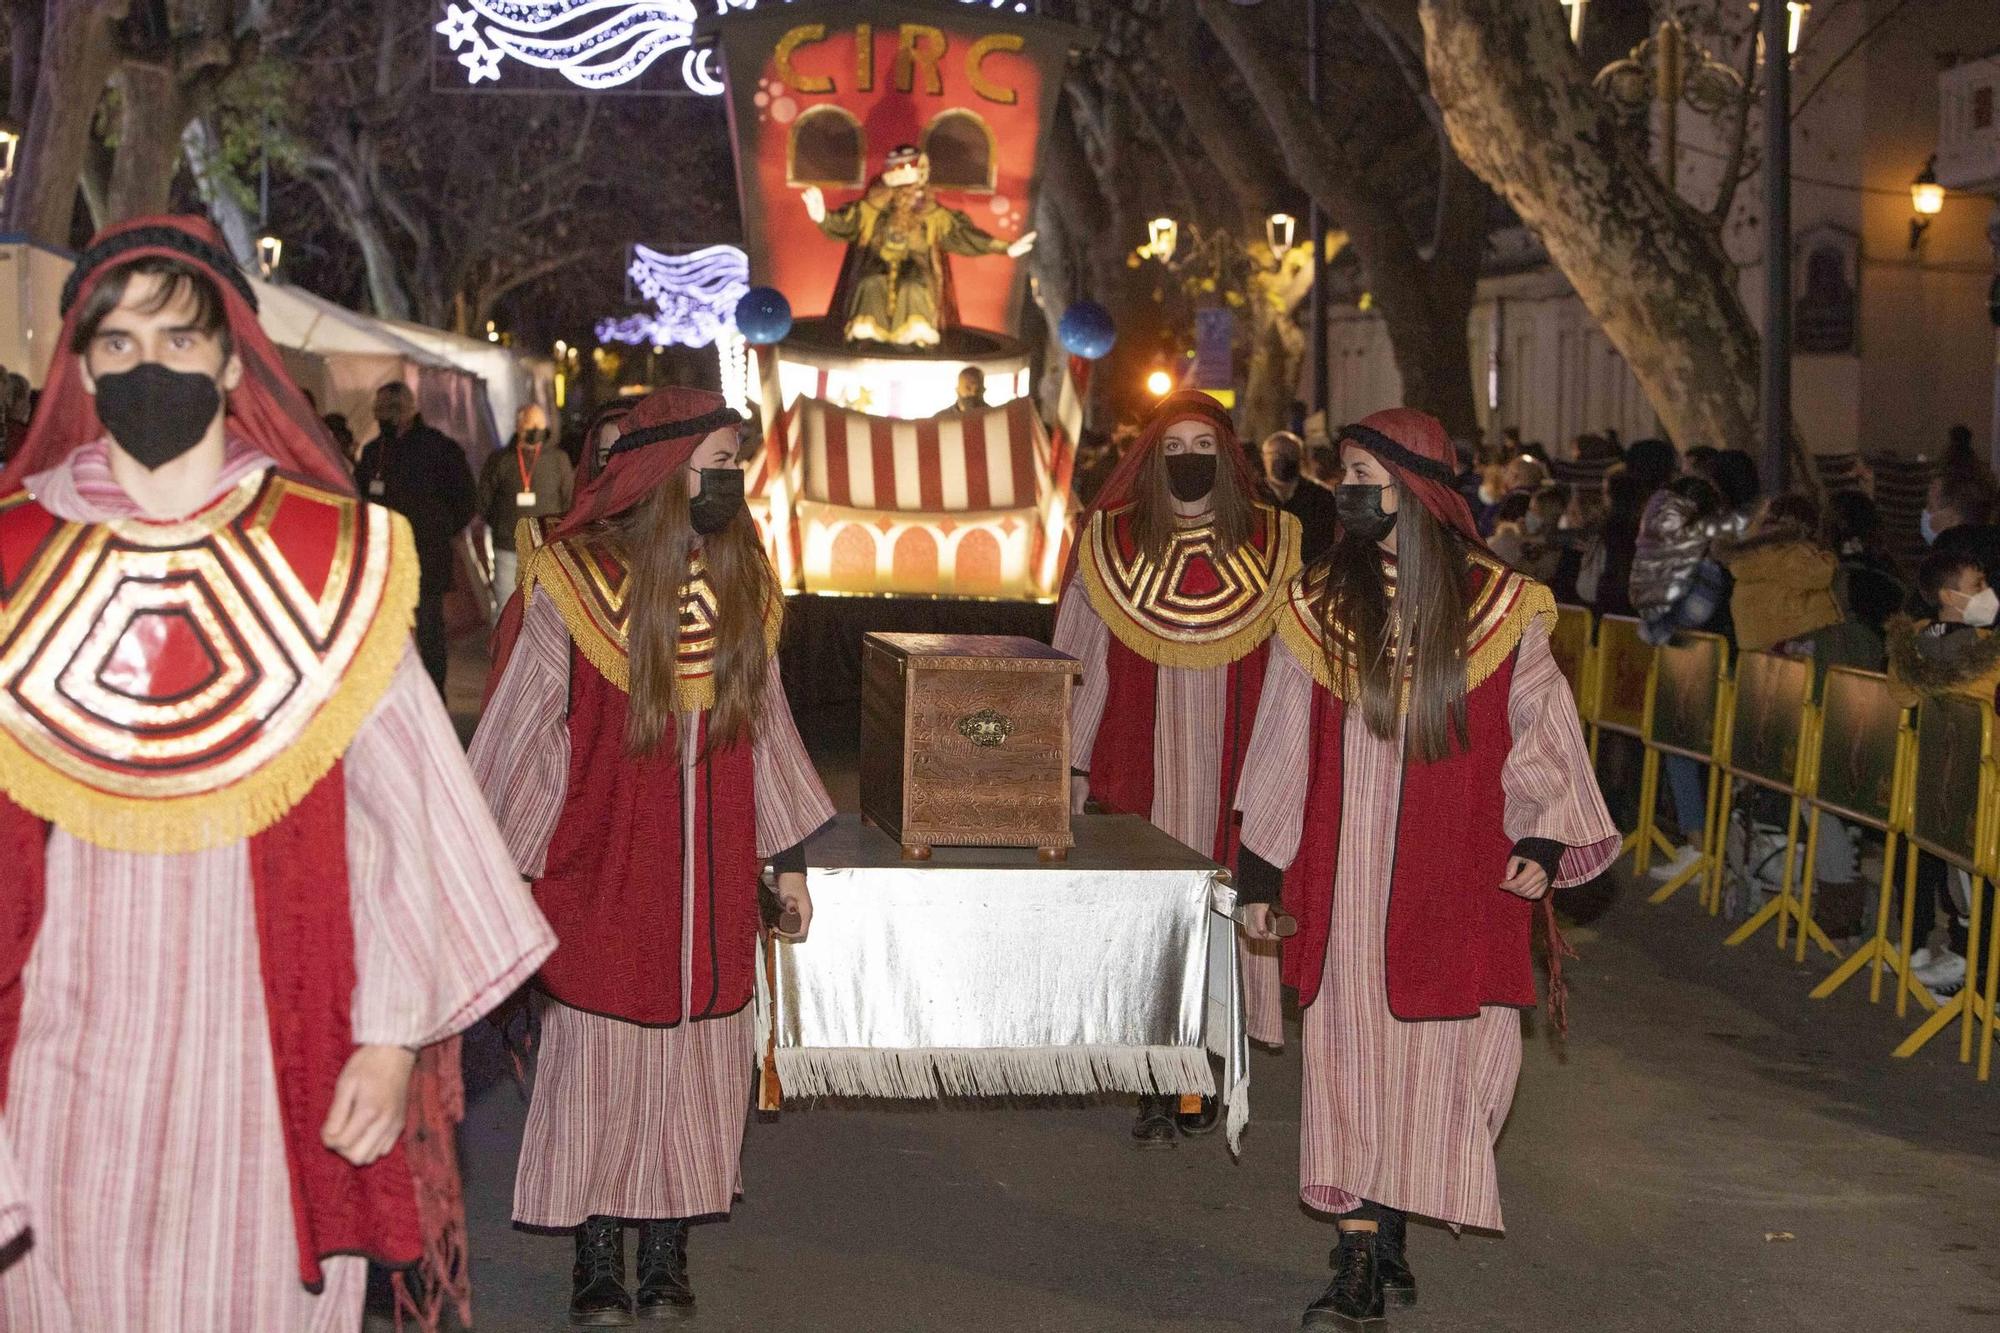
x: 1155, y: 1125
x: 664, y: 1290
x: 1352, y: 1302
x: 1399, y: 1283
x: 598, y: 1298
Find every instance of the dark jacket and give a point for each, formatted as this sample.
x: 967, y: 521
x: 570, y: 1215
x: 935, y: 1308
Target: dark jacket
x: 425, y: 478
x: 1312, y: 505
x: 551, y: 478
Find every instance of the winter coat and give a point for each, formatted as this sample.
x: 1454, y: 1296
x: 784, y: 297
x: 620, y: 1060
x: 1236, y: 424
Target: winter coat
x: 1939, y: 658
x: 1784, y: 589
x: 1673, y: 539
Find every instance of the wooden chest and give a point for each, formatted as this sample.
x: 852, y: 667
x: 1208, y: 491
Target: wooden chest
x: 965, y: 741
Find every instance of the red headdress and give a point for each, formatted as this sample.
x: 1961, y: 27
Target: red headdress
x: 660, y: 434
x: 1121, y: 487
x: 1413, y: 445
x: 266, y: 410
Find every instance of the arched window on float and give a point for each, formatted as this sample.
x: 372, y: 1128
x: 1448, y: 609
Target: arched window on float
x: 826, y: 148
x: 914, y: 562
x: 963, y: 152
x: 976, y: 569
x: 851, y: 563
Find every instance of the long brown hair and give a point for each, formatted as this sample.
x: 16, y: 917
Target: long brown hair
x: 1154, y: 519
x: 656, y: 539
x: 1421, y: 639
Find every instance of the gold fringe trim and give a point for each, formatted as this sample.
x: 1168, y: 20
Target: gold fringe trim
x: 176, y: 825
x: 612, y: 655
x: 1188, y: 655
x: 1532, y: 601
x: 527, y: 548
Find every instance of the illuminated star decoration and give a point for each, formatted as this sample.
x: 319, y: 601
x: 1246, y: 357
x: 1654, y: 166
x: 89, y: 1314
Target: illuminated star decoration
x: 595, y: 44
x: 694, y: 296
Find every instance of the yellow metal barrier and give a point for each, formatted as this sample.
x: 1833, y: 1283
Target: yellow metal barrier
x: 1621, y: 698
x: 1866, y: 744
x: 1687, y: 716
x: 1573, y: 644
x: 1948, y: 812
x: 1772, y: 730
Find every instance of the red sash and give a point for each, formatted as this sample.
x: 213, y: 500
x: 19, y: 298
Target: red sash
x: 612, y: 891
x: 1122, y: 760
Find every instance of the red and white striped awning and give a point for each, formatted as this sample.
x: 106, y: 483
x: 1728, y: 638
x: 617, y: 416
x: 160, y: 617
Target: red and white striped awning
x: 979, y: 461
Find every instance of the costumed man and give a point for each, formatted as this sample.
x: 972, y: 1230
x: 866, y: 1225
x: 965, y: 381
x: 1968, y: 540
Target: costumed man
x: 1416, y: 783
x: 642, y: 760
x: 895, y: 286
x: 1178, y: 580
x: 248, y: 873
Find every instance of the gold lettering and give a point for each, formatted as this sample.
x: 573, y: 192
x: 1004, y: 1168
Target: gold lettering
x: 919, y: 45
x: 803, y: 35
x: 864, y: 57
x: 976, y: 58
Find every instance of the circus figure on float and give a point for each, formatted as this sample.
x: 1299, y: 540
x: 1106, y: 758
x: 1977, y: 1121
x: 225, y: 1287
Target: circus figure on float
x: 895, y: 286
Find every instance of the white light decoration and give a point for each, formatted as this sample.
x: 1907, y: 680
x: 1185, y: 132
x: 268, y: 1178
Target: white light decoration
x: 694, y: 296
x: 595, y: 44
x: 734, y: 355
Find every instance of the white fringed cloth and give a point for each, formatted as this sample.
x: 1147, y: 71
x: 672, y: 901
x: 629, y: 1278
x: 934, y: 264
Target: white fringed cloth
x: 985, y: 973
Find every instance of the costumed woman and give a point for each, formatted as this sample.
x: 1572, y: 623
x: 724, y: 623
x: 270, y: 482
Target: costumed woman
x: 1179, y: 577
x: 248, y: 873
x: 641, y: 757
x: 1416, y: 784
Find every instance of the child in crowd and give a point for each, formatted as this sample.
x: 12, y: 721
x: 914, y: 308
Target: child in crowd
x: 1675, y: 586
x: 1955, y: 653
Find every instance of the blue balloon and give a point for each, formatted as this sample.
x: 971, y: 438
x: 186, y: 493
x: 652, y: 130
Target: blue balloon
x: 1087, y: 330
x: 763, y: 316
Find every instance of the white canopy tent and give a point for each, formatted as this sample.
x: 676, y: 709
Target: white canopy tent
x: 512, y: 379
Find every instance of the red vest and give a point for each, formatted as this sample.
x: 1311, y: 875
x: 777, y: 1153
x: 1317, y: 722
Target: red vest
x: 612, y: 890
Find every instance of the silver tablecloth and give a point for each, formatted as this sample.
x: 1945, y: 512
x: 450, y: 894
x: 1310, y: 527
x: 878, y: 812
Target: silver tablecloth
x: 987, y: 973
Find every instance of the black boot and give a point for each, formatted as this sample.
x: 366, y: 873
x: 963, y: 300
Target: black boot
x: 1203, y: 1121
x: 664, y: 1289
x: 1353, y: 1300
x: 1399, y: 1283
x: 598, y: 1298
x: 1155, y: 1126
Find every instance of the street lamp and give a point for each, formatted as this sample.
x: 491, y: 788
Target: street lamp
x: 1670, y: 68
x: 1162, y: 236
x: 1926, y: 199
x: 1159, y: 383
x: 1575, y: 10
x: 1280, y: 229
x: 270, y: 254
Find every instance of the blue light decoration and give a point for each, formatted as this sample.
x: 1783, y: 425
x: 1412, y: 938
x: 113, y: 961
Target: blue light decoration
x: 1087, y: 330
x: 763, y: 316
x: 694, y: 297
x: 595, y: 44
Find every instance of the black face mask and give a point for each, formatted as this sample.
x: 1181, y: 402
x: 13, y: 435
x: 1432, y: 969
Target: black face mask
x: 1285, y: 471
x: 721, y: 500
x: 387, y: 426
x: 534, y: 435
x: 1361, y: 513
x: 1190, y: 476
x: 156, y: 414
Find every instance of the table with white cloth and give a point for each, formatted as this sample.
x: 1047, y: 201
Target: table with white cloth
x: 986, y: 972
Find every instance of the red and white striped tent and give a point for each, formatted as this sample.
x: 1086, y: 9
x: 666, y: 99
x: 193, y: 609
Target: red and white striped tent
x: 967, y: 504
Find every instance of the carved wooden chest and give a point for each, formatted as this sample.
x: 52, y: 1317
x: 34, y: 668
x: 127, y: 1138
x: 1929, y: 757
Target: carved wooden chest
x: 965, y: 741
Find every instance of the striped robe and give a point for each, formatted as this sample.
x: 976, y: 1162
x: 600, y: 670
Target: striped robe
x: 1188, y: 740
x: 142, y: 1118
x: 627, y: 1121
x: 1406, y: 1114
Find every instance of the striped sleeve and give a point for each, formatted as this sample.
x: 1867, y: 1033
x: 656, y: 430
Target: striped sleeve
x: 1551, y: 790
x: 1084, y: 636
x: 1272, y: 792
x: 791, y: 800
x: 520, y: 754
x: 443, y: 927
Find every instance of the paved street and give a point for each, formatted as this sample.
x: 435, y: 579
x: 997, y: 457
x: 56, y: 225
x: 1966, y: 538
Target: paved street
x: 1713, y: 1152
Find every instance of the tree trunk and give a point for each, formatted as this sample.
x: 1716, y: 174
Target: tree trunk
x: 78, y: 53
x: 1425, y: 304
x: 24, y: 35
x: 1523, y: 115
x: 156, y: 109
x: 228, y: 213
x: 1277, y: 343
